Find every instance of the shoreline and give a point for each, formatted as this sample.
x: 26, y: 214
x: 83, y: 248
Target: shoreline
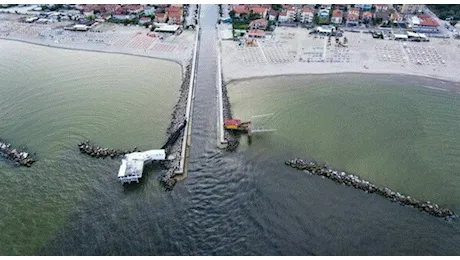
x: 178, y: 111
x: 229, y: 80
x: 179, y: 62
x: 293, y: 52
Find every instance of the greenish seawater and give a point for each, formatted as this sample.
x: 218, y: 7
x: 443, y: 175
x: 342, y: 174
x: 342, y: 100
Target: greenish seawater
x: 396, y: 131
x: 51, y: 99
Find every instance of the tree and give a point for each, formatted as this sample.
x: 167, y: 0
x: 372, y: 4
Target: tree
x: 277, y: 7
x: 232, y: 14
x: 125, y: 22
x: 444, y: 11
x: 135, y: 21
x: 56, y: 7
x: 253, y: 16
x: 377, y: 21
x: 90, y: 17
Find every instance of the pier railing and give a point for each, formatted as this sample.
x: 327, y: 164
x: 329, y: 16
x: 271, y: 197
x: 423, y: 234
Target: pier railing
x: 188, y: 111
x: 222, y: 142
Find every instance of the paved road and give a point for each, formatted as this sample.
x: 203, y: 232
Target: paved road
x: 204, y: 117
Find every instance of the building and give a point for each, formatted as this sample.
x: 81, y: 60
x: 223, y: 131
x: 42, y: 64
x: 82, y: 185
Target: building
x: 123, y: 16
x: 354, y: 11
x: 412, y: 8
x: 273, y: 15
x: 396, y: 17
x: 110, y: 8
x: 381, y: 7
x: 291, y: 13
x: 337, y: 16
x: 307, y: 14
x: 144, y: 20
x: 382, y: 12
x: 149, y: 10
x: 173, y: 9
x: 423, y: 23
x: 417, y: 36
x: 260, y: 11
x: 88, y: 10
x: 256, y: 33
x: 160, y: 18
x: 260, y: 24
x: 167, y: 28
x: 240, y: 12
x: 323, y: 13
x: 175, y: 18
x: 400, y: 37
x: 283, y: 17
x: 132, y: 9
x: 364, y: 7
x: 366, y: 17
x: 352, y: 17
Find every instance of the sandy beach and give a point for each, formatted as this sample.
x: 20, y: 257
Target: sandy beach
x: 106, y: 37
x: 292, y: 51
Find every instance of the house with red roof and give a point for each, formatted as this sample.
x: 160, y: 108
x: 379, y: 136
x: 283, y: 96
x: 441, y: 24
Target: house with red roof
x: 366, y: 17
x: 262, y: 11
x: 283, y: 17
x: 337, y: 16
x: 175, y: 18
x: 273, y: 15
x: 352, y: 17
x: 160, y: 18
x: 260, y: 24
x: 239, y: 12
x: 256, y: 33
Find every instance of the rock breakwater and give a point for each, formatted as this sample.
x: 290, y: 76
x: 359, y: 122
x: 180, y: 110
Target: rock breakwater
x: 232, y: 140
x: 353, y: 180
x: 178, y: 117
x: 20, y: 158
x: 100, y: 152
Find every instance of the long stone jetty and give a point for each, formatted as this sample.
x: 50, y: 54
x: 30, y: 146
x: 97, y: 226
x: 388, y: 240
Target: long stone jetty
x: 20, y: 158
x: 353, y: 180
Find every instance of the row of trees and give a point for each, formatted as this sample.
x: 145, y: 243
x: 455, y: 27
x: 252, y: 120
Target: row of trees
x: 446, y: 11
x: 52, y: 8
x: 7, y: 6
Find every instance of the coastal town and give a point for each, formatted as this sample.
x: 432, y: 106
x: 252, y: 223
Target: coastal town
x: 264, y: 39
